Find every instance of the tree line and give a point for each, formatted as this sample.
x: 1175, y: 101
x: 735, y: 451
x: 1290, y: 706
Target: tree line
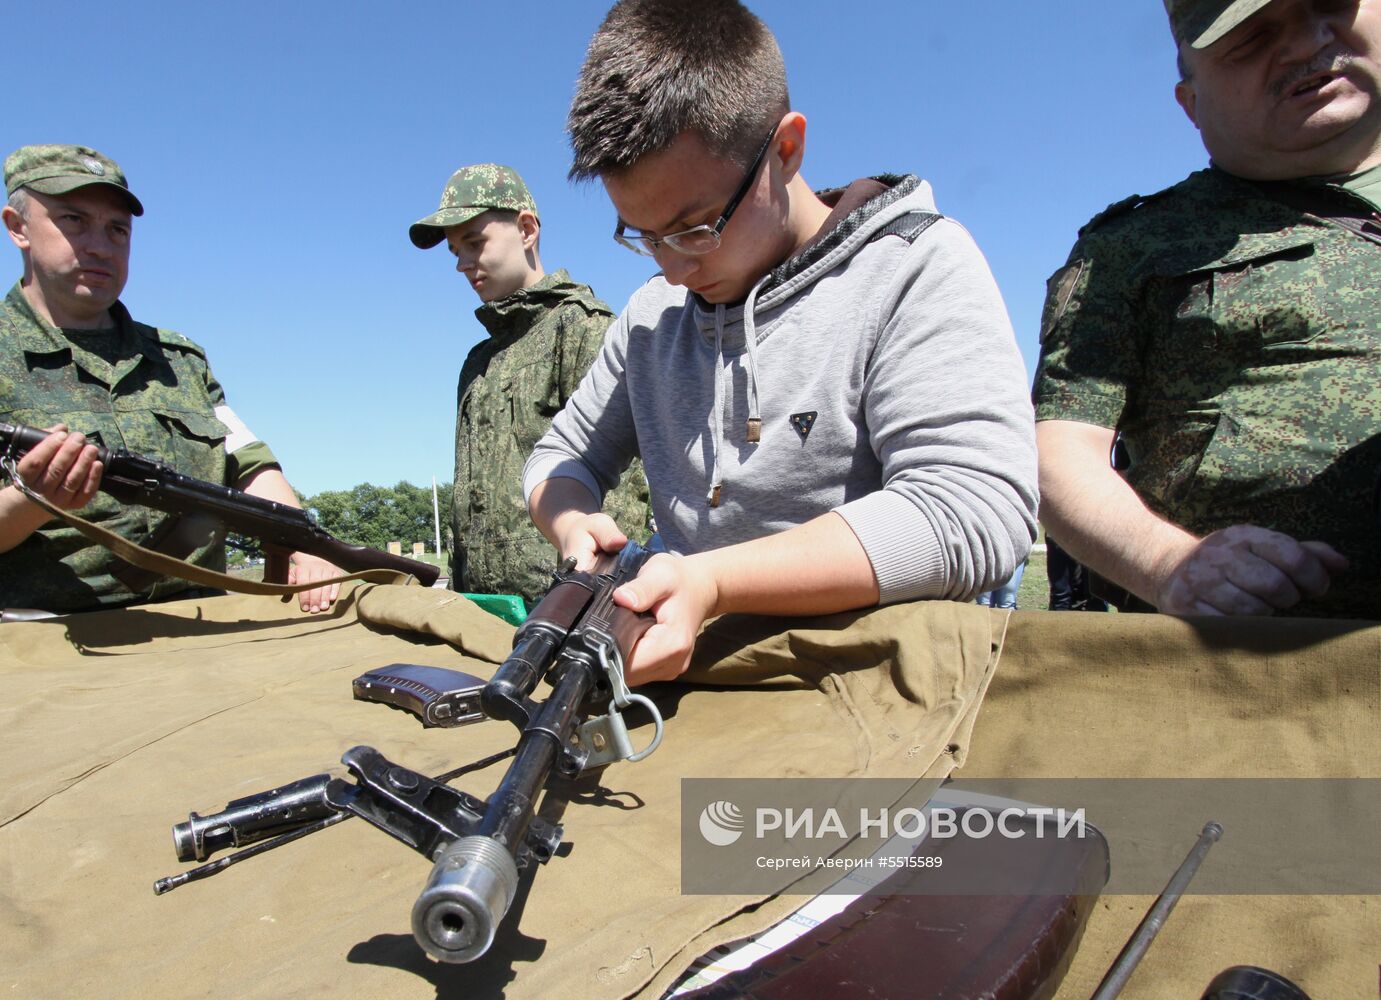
x: 374, y: 516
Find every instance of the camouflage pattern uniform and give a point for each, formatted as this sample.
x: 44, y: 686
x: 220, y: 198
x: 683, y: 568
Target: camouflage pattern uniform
x: 542, y: 339
x: 134, y: 387
x: 470, y: 192
x: 1233, y: 340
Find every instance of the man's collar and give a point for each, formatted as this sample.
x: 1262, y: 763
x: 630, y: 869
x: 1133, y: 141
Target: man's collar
x: 35, y: 335
x: 502, y: 315
x: 31, y: 331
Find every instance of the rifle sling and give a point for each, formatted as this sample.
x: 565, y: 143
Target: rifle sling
x: 1340, y: 207
x: 164, y: 565
x: 177, y: 537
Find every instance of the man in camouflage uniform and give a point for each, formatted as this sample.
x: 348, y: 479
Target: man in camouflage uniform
x: 544, y: 332
x: 1229, y: 329
x: 71, y: 356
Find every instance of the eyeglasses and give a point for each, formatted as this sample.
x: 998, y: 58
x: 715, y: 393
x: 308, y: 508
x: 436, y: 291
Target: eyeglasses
x: 698, y: 239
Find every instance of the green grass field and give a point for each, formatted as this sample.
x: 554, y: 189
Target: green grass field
x: 1034, y: 592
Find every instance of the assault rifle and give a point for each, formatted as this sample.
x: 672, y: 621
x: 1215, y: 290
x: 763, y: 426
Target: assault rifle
x: 576, y: 639
x: 133, y: 479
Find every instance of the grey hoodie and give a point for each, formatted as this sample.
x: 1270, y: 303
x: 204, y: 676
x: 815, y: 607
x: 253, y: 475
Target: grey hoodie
x: 881, y: 364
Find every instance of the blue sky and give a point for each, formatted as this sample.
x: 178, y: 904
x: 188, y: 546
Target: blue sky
x: 281, y: 151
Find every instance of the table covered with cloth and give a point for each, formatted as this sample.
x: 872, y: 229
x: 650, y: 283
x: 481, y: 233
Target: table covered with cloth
x: 116, y: 724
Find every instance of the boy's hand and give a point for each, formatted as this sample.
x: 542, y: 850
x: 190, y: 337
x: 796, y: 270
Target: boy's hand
x: 586, y: 535
x: 681, y: 592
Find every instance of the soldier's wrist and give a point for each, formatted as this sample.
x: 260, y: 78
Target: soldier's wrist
x: 1178, y: 547
x: 19, y: 515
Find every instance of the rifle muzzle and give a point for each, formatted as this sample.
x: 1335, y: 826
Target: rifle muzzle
x: 470, y: 889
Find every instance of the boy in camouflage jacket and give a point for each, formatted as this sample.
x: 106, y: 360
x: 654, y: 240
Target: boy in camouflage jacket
x: 544, y: 330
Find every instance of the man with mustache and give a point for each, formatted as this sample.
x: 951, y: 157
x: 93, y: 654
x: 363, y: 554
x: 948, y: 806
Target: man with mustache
x: 72, y: 357
x: 1227, y: 330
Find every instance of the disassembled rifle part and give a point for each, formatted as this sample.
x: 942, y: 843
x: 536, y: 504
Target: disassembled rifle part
x: 1146, y: 931
x: 440, y: 698
x: 575, y: 639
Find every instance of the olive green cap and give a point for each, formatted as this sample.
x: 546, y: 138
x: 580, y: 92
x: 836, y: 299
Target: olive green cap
x: 58, y: 169
x: 1200, y: 23
x: 472, y: 191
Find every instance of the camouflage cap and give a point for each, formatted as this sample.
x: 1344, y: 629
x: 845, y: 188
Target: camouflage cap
x: 471, y: 191
x: 1200, y: 23
x: 57, y: 169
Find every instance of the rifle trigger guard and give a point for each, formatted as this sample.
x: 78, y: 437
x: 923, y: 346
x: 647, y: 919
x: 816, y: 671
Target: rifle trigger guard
x: 606, y: 738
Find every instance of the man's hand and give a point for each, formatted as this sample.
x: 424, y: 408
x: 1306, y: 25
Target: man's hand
x: 304, y: 568
x: 270, y: 484
x: 1102, y: 522
x: 681, y: 593
x: 63, y: 469
x: 1247, y: 570
x: 815, y: 568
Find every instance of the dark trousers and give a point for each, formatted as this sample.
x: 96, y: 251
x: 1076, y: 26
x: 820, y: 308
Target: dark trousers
x: 1068, y: 581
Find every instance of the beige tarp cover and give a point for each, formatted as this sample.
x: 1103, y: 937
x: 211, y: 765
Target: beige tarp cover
x: 116, y: 724
x: 1150, y: 696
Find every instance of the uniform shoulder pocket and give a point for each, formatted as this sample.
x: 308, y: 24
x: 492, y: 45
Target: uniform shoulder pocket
x: 193, y: 443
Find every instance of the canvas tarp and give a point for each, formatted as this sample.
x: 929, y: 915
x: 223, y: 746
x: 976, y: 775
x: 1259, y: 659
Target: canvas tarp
x: 116, y: 724
x: 1149, y: 696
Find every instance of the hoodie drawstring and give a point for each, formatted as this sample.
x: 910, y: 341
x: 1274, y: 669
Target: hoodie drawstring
x: 717, y: 421
x: 750, y: 341
x: 754, y: 425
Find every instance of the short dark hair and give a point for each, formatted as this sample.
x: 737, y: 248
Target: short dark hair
x: 658, y: 68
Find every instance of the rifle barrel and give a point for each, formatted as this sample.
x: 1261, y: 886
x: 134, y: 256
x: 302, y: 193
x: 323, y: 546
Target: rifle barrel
x: 475, y: 878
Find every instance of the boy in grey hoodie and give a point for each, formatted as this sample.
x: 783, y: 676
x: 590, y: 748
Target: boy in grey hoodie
x: 824, y: 388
